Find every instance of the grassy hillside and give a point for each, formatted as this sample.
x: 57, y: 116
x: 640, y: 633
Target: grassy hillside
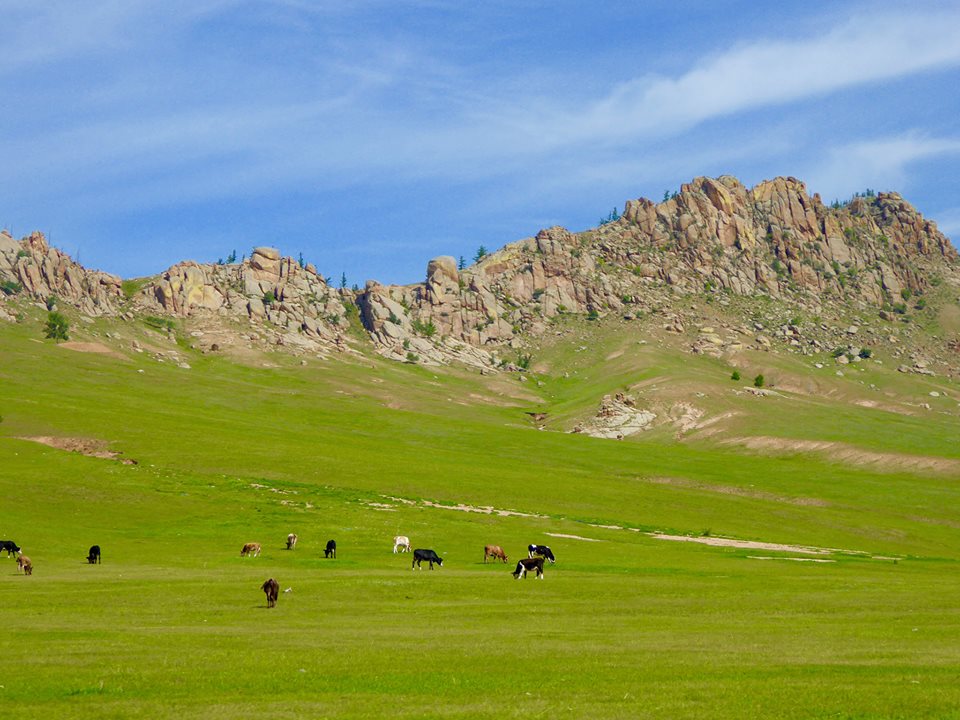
x: 625, y: 625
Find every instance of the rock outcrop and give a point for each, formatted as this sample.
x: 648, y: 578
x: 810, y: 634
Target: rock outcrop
x: 714, y: 236
x: 42, y: 272
x: 267, y: 289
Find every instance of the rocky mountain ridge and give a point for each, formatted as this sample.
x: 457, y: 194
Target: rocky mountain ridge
x: 714, y: 238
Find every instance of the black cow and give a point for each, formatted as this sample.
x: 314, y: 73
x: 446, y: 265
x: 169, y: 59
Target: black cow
x: 525, y: 564
x: 425, y: 555
x: 272, y: 590
x: 10, y: 546
x: 535, y: 550
x: 331, y: 549
x: 93, y: 557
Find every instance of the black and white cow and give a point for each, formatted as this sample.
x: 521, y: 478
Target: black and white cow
x: 425, y: 555
x: 10, y: 546
x: 525, y: 564
x: 93, y: 557
x: 331, y: 549
x: 534, y: 550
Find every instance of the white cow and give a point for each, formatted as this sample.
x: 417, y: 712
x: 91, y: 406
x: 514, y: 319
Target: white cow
x: 401, y: 543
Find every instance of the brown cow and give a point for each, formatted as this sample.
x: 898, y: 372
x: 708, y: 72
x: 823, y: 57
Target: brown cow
x: 494, y: 551
x: 291, y: 541
x: 24, y: 565
x: 251, y: 549
x: 272, y: 589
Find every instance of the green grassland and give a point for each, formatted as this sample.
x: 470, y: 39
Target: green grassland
x: 173, y: 623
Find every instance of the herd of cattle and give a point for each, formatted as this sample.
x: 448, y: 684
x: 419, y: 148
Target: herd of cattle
x: 536, y: 555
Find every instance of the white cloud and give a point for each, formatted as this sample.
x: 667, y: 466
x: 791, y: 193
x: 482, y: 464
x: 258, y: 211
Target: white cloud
x: 768, y: 73
x: 880, y: 163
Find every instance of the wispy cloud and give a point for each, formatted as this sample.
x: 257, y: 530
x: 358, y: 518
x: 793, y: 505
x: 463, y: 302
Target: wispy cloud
x: 881, y: 163
x: 766, y: 73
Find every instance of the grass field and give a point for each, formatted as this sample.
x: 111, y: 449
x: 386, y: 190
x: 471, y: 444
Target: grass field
x: 173, y: 623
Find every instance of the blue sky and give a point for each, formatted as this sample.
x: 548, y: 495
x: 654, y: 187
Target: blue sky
x: 372, y: 135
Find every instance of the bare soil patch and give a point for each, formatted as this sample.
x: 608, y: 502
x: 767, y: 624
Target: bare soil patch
x: 91, y: 347
x: 84, y: 446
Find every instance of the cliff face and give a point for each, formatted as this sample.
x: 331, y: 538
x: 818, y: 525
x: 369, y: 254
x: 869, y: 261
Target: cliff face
x: 714, y: 236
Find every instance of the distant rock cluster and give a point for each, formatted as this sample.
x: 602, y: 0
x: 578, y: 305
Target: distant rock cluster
x: 715, y: 237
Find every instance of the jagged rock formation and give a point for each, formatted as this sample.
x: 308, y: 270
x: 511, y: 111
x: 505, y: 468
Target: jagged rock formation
x: 715, y: 236
x: 267, y: 289
x: 43, y: 271
x: 712, y: 236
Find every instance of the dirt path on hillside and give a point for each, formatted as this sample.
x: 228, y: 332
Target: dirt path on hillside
x: 743, y: 544
x: 849, y: 454
x: 736, y: 491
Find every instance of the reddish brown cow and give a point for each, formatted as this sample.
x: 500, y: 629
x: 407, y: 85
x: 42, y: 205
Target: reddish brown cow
x: 250, y: 549
x: 494, y: 551
x: 272, y: 589
x: 24, y: 565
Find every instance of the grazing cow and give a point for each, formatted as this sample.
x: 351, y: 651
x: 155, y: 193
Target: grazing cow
x: 93, y: 557
x: 331, y: 549
x: 24, y: 565
x: 10, y: 546
x: 494, y: 551
x: 251, y: 549
x: 272, y: 589
x: 291, y: 541
x: 525, y: 564
x: 429, y: 555
x: 535, y: 550
x: 401, y: 543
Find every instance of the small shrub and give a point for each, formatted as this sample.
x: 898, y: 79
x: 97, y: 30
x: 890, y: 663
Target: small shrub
x: 269, y: 297
x: 900, y: 308
x: 51, y: 302
x: 406, y: 343
x: 480, y: 254
x: 735, y: 375
x: 412, y: 357
x: 9, y: 287
x: 538, y: 293
x: 427, y: 329
x: 523, y: 361
x: 866, y: 353
x: 837, y: 352
x: 921, y: 304
x: 758, y: 381
x: 906, y: 293
x: 394, y: 319
x: 158, y: 323
x: 593, y: 314
x: 22, y: 254
x: 57, y: 327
